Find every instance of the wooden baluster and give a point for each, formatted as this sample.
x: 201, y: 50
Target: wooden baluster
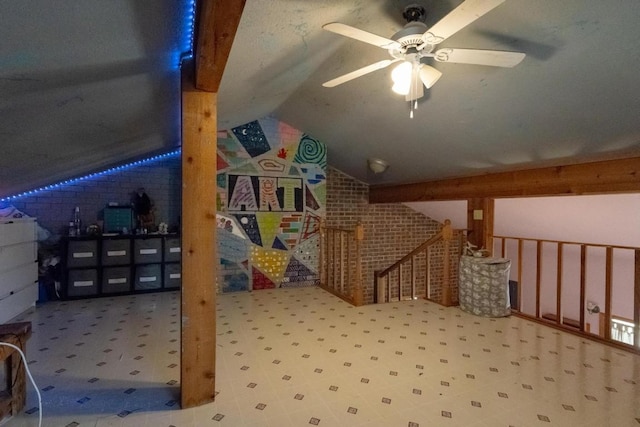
x: 358, y: 293
x: 427, y: 273
x: 342, y: 262
x: 330, y: 258
x: 349, y: 259
x: 400, y: 282
x: 538, y: 275
x: 636, y: 301
x: 332, y: 267
x: 323, y: 244
x: 559, y: 285
x: 413, y: 279
x: 447, y: 235
x: 607, y: 292
x: 583, y: 284
x: 334, y: 247
x: 519, y: 298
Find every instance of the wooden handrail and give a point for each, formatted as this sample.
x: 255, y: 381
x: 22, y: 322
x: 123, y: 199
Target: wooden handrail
x: 411, y: 254
x: 566, y: 242
x: 445, y: 236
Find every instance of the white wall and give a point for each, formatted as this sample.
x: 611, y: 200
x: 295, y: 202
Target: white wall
x: 611, y: 219
x: 607, y: 219
x: 455, y: 210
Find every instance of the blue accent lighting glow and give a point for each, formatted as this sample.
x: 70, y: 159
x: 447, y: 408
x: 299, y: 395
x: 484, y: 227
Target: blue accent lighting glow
x: 92, y: 176
x: 188, y: 23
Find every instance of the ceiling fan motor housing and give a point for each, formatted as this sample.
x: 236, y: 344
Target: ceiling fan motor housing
x: 414, y: 12
x: 410, y: 39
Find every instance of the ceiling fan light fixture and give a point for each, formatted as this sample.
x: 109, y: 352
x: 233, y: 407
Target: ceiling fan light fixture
x: 401, y: 76
x: 429, y: 75
x: 377, y: 166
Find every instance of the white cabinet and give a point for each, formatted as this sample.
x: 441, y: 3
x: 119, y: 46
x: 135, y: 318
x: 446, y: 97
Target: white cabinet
x: 18, y: 266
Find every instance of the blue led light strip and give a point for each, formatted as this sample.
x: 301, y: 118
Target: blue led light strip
x: 190, y: 24
x: 92, y: 176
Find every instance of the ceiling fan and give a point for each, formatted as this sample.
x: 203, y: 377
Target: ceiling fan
x: 415, y: 42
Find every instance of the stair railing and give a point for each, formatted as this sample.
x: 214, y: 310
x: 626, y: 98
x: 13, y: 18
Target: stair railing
x: 561, y: 283
x: 452, y: 240
x: 341, y: 262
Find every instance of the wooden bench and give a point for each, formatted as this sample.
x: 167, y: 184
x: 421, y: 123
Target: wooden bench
x: 13, y: 394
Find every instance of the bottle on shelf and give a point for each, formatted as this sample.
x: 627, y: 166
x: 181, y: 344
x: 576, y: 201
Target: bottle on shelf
x: 72, y: 229
x: 76, y: 220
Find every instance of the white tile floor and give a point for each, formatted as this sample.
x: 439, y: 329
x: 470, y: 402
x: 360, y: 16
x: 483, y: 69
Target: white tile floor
x: 300, y: 357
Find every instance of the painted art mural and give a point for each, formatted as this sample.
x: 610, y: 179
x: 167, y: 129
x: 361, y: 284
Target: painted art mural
x: 271, y: 196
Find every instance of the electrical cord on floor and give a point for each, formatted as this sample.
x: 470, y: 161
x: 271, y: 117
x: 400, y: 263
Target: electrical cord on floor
x: 26, y: 367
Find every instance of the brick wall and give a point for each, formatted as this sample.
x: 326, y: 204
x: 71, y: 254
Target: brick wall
x: 161, y: 179
x: 390, y: 230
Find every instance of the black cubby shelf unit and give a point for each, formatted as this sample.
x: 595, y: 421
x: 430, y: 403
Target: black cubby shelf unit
x: 108, y: 265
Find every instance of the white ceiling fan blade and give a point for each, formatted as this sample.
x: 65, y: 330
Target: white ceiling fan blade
x: 363, y: 36
x: 494, y: 58
x: 457, y: 19
x: 359, y: 72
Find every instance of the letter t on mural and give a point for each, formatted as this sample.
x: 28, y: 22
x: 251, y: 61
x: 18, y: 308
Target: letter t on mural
x: 289, y: 199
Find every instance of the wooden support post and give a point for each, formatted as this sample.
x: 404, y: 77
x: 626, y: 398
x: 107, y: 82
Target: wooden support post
x: 480, y: 223
x: 199, y: 262
x: 447, y: 235
x: 358, y: 292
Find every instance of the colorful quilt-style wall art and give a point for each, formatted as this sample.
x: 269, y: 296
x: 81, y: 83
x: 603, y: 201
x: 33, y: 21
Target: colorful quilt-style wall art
x: 271, y: 196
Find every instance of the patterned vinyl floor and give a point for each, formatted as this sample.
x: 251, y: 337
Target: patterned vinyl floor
x: 300, y: 357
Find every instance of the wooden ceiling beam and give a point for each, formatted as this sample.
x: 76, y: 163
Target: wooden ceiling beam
x: 601, y: 177
x: 218, y: 22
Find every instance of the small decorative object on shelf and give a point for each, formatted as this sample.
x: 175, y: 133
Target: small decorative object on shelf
x: 76, y: 221
x: 163, y: 228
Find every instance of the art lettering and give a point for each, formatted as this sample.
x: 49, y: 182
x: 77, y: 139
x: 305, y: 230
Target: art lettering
x: 265, y: 194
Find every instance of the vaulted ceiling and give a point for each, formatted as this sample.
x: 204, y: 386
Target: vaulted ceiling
x: 86, y: 85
